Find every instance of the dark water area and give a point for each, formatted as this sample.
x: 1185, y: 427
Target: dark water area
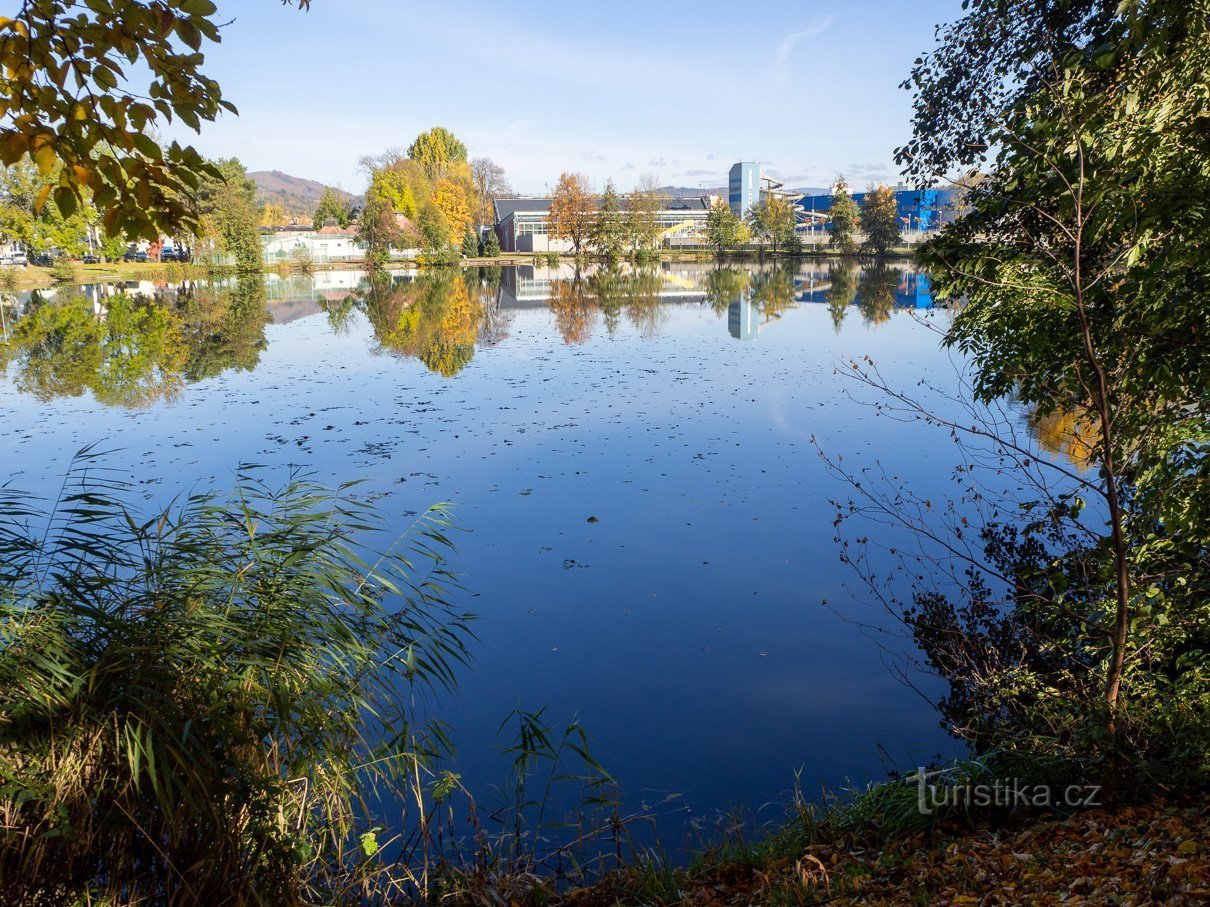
x: 648, y: 533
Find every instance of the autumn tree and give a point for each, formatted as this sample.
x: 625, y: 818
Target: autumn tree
x: 572, y: 211
x: 844, y: 218
x: 86, y: 87
x: 379, y: 230
x: 333, y: 208
x: 880, y: 220
x: 489, y: 184
x: 272, y: 215
x: 724, y: 229
x: 608, y: 234
x: 772, y: 221
x: 450, y: 199
x: 642, y: 220
x: 438, y: 151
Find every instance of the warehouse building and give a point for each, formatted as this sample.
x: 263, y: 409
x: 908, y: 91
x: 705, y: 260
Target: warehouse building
x: 522, y: 223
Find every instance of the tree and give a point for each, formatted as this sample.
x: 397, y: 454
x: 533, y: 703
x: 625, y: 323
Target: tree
x: 434, y: 228
x: 608, y: 235
x: 272, y: 215
x: 403, y: 184
x: 437, y: 151
x: 772, y: 220
x: 86, y: 86
x: 229, y: 217
x: 571, y: 210
x: 841, y: 291
x: 333, y: 208
x: 379, y: 230
x: 39, y: 229
x: 490, y: 247
x: 1082, y: 263
x: 844, y: 217
x: 642, y: 223
x: 724, y: 229
x: 880, y: 220
x: 470, y: 243
x: 450, y: 199
x: 490, y: 183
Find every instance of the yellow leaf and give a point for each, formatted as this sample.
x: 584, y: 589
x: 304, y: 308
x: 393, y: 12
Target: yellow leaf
x: 42, y: 197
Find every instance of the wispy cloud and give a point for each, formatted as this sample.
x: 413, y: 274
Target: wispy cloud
x: 785, y: 48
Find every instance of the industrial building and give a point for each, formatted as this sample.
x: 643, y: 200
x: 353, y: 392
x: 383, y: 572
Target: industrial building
x: 521, y: 223
x: 920, y: 210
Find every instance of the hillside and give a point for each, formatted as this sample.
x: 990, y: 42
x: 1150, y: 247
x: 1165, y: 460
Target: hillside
x: 297, y: 195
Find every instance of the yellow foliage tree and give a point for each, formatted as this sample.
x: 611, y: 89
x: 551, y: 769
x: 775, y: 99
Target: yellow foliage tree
x: 451, y: 199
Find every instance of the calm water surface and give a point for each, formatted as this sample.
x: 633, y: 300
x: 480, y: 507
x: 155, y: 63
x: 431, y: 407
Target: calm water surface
x: 648, y: 534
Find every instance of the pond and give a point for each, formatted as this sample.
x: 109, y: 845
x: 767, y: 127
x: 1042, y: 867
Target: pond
x: 649, y: 539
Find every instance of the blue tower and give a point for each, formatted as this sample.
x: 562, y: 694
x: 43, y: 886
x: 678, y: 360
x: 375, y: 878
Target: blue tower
x: 744, y: 187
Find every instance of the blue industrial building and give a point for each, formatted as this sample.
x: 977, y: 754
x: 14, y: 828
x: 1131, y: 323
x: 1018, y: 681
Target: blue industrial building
x: 919, y: 209
x: 743, y: 188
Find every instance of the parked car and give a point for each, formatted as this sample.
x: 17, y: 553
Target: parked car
x: 43, y: 260
x: 169, y: 254
x: 136, y: 256
x: 91, y: 260
x: 17, y: 258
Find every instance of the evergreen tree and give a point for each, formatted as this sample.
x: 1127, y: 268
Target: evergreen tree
x: 490, y: 247
x: 608, y: 235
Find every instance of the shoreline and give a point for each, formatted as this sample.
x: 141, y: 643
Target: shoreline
x: 29, y: 277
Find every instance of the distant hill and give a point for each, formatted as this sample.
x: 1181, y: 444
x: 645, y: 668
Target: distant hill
x: 297, y: 195
x: 687, y: 192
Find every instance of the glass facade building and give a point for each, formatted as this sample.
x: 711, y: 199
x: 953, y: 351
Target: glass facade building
x: 743, y: 187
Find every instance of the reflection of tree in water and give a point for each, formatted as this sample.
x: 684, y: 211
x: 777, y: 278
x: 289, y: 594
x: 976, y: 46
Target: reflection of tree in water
x: 725, y: 286
x: 224, y: 327
x: 877, y: 294
x: 574, y: 310
x: 613, y: 292
x: 773, y: 291
x: 842, y: 290
x: 130, y: 353
x: 340, y: 314
x: 432, y: 318
x: 642, y: 301
x: 1067, y: 434
x: 484, y: 286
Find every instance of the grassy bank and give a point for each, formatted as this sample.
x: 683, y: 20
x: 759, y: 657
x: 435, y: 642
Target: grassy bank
x: 36, y: 278
x: 1154, y: 853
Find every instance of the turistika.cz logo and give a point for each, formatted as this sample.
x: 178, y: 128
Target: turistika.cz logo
x: 1001, y: 793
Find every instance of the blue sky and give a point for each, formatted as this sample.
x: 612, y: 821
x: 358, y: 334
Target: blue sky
x: 676, y: 88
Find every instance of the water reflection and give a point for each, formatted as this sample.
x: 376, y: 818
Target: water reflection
x: 132, y: 350
x: 133, y: 344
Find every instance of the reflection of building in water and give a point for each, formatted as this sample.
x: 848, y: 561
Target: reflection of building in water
x: 743, y: 320
x: 531, y: 285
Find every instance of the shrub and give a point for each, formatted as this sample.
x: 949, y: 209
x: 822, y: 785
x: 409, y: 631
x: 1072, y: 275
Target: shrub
x: 192, y: 701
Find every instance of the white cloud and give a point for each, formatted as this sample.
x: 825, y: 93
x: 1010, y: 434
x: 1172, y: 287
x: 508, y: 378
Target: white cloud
x: 785, y: 49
